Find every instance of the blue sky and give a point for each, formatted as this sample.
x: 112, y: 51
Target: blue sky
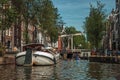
x: 73, y: 12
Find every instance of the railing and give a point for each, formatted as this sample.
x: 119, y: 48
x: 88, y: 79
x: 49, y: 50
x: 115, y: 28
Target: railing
x: 81, y: 50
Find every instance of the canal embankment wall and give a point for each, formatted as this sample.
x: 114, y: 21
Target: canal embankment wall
x: 94, y: 58
x: 8, y: 58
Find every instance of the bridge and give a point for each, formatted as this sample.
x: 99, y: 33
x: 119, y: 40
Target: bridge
x: 60, y: 44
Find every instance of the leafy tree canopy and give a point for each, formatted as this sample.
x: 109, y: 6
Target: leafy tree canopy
x: 94, y: 24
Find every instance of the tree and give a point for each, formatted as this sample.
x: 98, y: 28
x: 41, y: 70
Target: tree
x: 7, y: 18
x: 27, y: 11
x: 36, y: 12
x: 48, y: 19
x: 94, y: 24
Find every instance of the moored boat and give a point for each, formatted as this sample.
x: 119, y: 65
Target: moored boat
x: 36, y: 54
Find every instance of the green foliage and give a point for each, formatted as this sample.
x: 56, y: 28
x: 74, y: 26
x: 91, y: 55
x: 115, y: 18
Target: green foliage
x: 70, y: 30
x: 39, y: 12
x: 34, y: 12
x: 26, y: 37
x: 53, y: 33
x: 94, y: 24
x: 48, y: 19
x: 7, y: 14
x: 77, y: 40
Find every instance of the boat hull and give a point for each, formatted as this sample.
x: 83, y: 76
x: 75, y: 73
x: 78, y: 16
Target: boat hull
x: 38, y: 58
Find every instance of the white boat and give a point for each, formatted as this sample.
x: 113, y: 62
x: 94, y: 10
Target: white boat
x: 39, y: 56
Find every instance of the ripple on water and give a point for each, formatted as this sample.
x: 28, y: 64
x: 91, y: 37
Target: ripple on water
x: 65, y: 70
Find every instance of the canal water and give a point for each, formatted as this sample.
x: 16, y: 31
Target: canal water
x: 64, y: 70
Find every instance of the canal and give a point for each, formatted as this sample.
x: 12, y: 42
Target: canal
x: 64, y: 70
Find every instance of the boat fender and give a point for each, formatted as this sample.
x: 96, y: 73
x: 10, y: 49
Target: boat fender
x: 54, y: 60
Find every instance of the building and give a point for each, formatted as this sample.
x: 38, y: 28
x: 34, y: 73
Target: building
x: 118, y: 24
x: 111, y: 39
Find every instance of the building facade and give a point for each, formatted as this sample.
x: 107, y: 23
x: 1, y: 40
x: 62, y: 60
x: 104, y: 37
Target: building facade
x: 111, y: 39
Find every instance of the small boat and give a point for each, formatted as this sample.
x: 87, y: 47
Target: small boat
x: 36, y: 54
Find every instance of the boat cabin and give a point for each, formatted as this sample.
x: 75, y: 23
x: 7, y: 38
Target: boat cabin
x: 33, y: 46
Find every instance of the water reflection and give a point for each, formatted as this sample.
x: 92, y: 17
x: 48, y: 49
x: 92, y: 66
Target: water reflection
x: 23, y: 73
x: 7, y: 72
x: 102, y: 71
x: 65, y: 70
x: 34, y: 73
